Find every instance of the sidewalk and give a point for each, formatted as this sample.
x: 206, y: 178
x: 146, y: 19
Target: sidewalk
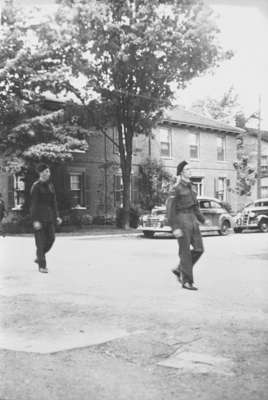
x: 92, y: 231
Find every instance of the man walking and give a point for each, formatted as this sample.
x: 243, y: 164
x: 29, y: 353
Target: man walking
x: 44, y: 213
x: 183, y: 216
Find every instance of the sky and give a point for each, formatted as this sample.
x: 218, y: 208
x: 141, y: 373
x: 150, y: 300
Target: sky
x: 244, y: 29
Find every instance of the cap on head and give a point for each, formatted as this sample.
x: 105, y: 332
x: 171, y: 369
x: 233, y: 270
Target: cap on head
x: 180, y: 167
x: 41, y: 167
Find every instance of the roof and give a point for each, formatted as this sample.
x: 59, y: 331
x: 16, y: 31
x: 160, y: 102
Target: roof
x: 180, y: 116
x: 255, y: 132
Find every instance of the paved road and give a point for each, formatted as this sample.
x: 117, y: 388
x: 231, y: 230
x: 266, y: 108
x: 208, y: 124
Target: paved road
x: 109, y: 321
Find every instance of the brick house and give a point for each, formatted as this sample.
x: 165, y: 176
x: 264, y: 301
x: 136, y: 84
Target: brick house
x: 250, y: 143
x: 92, y: 182
x: 209, y: 146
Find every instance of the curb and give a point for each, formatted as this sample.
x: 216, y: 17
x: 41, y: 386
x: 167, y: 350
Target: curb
x: 99, y: 236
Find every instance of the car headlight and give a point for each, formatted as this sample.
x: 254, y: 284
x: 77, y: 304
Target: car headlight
x: 252, y: 214
x: 237, y: 217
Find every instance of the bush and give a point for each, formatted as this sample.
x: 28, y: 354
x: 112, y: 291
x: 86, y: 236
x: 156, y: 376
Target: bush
x: 99, y: 220
x: 133, y: 217
x: 86, y: 219
x: 17, y: 223
x: 74, y: 217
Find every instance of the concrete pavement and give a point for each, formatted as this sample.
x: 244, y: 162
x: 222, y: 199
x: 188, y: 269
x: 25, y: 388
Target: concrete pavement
x: 109, y: 321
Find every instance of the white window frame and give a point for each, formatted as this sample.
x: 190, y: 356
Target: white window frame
x: 264, y: 191
x: 221, y: 188
x: 168, y: 142
x: 264, y: 164
x: 134, y: 194
x: 116, y: 140
x: 118, y: 190
x: 196, y: 146
x: 80, y: 189
x: 199, y: 185
x: 221, y: 148
x: 18, y: 191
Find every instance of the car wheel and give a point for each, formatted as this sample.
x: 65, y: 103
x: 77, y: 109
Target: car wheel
x: 263, y: 225
x: 238, y: 230
x: 225, y: 226
x: 148, y: 234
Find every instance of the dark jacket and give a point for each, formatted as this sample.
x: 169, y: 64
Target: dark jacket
x: 43, y: 202
x: 182, y: 199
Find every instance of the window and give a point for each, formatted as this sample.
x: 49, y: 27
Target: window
x: 204, y: 204
x: 264, y: 164
x: 165, y: 142
x: 77, y: 189
x: 262, y: 203
x: 221, y: 189
x: 194, y: 145
x: 118, y: 190
x: 116, y: 140
x: 198, y: 185
x: 214, y: 204
x: 134, y: 189
x: 220, y: 148
x: 19, y: 191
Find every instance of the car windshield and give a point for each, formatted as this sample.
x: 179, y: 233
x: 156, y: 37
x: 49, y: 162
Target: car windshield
x: 159, y: 212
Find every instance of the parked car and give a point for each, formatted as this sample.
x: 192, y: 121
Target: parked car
x: 220, y: 220
x: 253, y: 216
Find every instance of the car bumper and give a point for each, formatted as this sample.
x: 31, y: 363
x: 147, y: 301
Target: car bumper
x: 167, y: 229
x: 246, y: 226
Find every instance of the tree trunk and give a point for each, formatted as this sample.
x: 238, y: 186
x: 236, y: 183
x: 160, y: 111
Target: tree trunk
x: 126, y: 194
x: 125, y: 149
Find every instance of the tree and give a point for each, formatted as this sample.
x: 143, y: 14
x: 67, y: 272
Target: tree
x: 153, y: 183
x: 246, y: 177
x: 128, y: 53
x: 125, y: 55
x: 225, y: 109
x: 29, y: 131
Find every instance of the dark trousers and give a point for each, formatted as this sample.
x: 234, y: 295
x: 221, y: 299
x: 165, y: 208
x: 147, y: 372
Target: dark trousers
x: 44, y: 239
x: 190, y: 245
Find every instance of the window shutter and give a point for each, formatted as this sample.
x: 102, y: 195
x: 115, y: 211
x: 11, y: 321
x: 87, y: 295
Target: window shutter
x: 11, y: 202
x: 86, y: 190
x: 216, y: 187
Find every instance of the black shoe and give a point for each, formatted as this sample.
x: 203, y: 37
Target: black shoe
x: 189, y: 286
x: 177, y: 273
x: 43, y: 270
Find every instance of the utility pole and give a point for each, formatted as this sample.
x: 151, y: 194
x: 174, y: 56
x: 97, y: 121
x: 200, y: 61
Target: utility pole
x: 259, y: 152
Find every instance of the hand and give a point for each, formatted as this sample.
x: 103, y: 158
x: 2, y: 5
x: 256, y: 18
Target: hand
x: 177, y: 233
x: 37, y: 225
x: 207, y: 222
x: 59, y: 221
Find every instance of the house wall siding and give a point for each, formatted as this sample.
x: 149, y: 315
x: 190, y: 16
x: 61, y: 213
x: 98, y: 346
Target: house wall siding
x: 207, y: 165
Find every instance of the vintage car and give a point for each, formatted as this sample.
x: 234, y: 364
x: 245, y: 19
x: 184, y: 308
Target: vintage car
x: 220, y: 220
x: 253, y: 216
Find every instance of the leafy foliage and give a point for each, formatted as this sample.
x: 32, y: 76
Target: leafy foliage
x: 30, y: 132
x: 116, y: 58
x: 154, y: 184
x: 225, y: 109
x: 246, y: 176
x: 129, y: 52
